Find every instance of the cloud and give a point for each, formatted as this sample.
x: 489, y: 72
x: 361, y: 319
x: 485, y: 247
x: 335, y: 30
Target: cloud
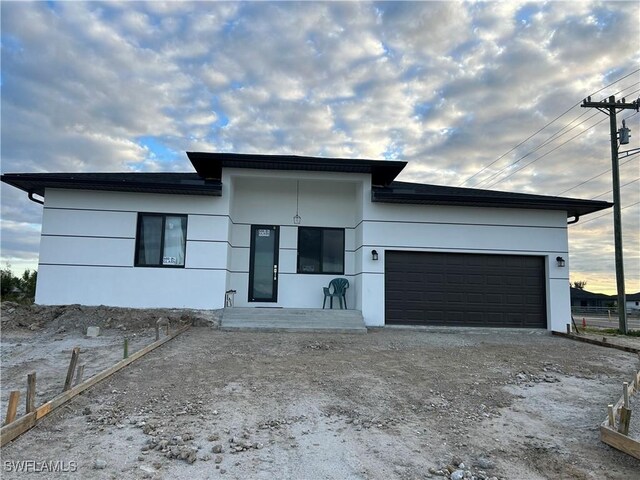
x: 448, y: 86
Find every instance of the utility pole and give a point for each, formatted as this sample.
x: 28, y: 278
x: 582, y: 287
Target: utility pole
x: 611, y: 108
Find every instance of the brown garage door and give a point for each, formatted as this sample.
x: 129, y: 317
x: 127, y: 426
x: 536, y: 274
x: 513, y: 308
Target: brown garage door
x: 460, y: 289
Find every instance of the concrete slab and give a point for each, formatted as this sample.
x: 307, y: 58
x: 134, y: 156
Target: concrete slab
x: 293, y: 320
x: 93, y: 331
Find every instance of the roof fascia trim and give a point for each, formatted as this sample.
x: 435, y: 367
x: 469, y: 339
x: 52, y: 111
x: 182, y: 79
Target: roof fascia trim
x: 210, y: 165
x: 36, y: 184
x: 573, y: 207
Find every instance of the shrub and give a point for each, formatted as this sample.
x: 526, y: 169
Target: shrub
x: 18, y: 289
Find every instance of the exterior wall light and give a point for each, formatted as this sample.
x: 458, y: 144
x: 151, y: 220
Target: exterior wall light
x: 560, y: 261
x: 374, y: 255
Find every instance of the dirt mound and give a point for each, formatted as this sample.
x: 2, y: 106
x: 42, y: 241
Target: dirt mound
x: 79, y: 317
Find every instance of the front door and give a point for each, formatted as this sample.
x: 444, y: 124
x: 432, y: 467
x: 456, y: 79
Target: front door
x: 263, y: 263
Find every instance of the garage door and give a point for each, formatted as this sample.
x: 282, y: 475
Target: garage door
x: 459, y: 289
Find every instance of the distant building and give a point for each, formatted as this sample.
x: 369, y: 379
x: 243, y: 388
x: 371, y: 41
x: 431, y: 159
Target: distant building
x: 633, y: 302
x: 583, y: 298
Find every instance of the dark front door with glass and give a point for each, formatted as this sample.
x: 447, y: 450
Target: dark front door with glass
x: 263, y: 263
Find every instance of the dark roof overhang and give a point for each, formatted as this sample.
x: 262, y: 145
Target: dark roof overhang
x: 170, y: 183
x: 207, y: 181
x: 210, y: 165
x: 423, y: 194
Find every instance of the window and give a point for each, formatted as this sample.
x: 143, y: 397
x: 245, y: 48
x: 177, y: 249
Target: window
x: 161, y: 240
x: 320, y: 250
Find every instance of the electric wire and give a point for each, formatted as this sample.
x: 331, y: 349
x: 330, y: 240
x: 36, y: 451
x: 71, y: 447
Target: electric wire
x: 522, y: 142
x: 594, y: 177
x: 545, y: 143
x: 634, y: 92
x: 628, y: 86
x: 558, y: 134
x: 606, y: 213
x: 616, y: 81
x: 542, y: 145
x: 543, y: 155
x: 548, y: 124
x: 621, y: 186
x: 630, y: 116
x: 602, y: 173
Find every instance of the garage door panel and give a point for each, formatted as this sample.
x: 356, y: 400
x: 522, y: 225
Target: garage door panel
x: 514, y: 280
x: 532, y: 282
x: 433, y: 278
x: 514, y: 299
x: 475, y: 280
x: 493, y: 299
x: 474, y: 298
x: 433, y: 296
x: 455, y: 316
x: 465, y: 289
x: 414, y: 314
x: 531, y: 300
x: 454, y: 278
x: 494, y: 280
x: 454, y: 297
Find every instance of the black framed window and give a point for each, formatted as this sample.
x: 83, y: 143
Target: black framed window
x: 161, y: 240
x: 320, y: 250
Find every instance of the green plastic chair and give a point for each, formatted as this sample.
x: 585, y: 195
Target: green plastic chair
x: 339, y: 286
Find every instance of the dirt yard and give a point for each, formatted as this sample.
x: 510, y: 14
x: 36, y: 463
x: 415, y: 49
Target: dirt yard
x: 400, y: 404
x: 40, y: 339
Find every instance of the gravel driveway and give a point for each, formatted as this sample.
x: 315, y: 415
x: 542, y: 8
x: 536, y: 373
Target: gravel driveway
x: 389, y: 404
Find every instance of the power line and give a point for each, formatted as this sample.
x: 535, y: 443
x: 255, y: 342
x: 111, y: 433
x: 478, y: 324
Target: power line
x: 547, y: 125
x: 631, y: 93
x: 544, y: 154
x: 495, y: 174
x: 544, y: 144
x: 607, y: 170
x: 628, y: 86
x: 615, y: 81
x: 557, y: 134
x: 621, y: 186
x: 522, y: 142
x: 594, y: 177
x: 607, y: 213
x: 633, y: 115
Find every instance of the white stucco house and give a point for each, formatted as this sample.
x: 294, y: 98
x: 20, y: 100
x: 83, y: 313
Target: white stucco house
x: 276, y: 229
x: 633, y: 303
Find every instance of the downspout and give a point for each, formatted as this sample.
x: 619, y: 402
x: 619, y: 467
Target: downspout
x: 35, y: 199
x: 576, y: 219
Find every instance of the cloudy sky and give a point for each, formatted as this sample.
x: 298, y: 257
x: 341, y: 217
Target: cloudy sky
x: 455, y: 89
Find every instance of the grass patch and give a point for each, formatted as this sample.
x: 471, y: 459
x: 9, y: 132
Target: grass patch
x: 609, y: 331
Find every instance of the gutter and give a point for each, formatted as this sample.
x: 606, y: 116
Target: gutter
x: 31, y: 197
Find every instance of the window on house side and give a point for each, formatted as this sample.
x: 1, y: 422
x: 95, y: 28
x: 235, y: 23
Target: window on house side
x: 160, y: 240
x: 321, y: 250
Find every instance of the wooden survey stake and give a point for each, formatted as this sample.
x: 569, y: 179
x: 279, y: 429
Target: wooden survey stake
x: 31, y: 393
x: 24, y: 423
x: 75, y: 353
x: 625, y: 411
x: 79, y: 374
x: 12, y: 407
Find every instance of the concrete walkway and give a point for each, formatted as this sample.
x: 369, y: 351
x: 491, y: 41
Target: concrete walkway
x: 293, y: 320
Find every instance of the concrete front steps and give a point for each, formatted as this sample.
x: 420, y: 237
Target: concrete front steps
x: 292, y: 320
